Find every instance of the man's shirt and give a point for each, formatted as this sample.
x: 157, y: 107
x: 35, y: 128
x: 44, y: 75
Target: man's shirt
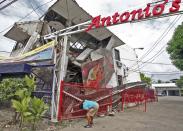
x: 89, y: 104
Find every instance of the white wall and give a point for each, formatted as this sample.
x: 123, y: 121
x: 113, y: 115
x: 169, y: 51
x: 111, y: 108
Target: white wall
x: 128, y: 57
x: 113, y: 82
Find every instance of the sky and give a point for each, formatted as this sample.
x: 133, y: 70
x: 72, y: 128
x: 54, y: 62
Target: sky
x: 143, y: 34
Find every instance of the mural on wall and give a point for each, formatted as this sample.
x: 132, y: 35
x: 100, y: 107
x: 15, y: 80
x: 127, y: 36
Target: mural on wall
x: 93, y: 73
x: 96, y: 74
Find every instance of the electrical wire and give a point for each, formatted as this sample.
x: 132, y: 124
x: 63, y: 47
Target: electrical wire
x: 8, y: 4
x: 41, y: 11
x: 146, y: 62
x: 3, y: 1
x: 159, y: 39
x: 157, y: 73
x: 28, y: 14
x: 167, y: 30
x: 151, y: 59
x: 31, y: 4
x: 161, y: 50
x: 163, y: 73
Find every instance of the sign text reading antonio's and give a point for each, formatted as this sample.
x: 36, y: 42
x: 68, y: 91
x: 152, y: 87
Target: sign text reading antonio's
x: 139, y: 14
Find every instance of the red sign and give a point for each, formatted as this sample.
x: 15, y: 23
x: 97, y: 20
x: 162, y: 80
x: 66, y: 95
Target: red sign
x: 139, y: 14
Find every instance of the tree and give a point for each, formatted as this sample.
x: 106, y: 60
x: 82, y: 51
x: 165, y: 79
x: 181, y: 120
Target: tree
x: 145, y: 79
x: 159, y: 81
x: 179, y: 82
x: 175, y: 47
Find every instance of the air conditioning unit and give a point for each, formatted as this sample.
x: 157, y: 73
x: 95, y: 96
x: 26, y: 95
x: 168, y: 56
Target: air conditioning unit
x: 119, y: 64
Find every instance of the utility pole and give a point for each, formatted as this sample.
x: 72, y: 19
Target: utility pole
x: 134, y: 49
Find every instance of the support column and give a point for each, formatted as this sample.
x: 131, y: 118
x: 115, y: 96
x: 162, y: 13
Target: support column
x: 167, y: 94
x: 60, y: 70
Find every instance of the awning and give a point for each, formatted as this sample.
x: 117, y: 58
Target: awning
x: 15, y: 68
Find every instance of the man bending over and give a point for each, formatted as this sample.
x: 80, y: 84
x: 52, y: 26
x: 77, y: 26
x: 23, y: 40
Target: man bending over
x: 92, y: 108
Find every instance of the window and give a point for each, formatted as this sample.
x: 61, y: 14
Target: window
x: 117, y: 54
x: 120, y: 80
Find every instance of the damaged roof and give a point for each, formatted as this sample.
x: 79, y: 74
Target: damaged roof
x: 57, y: 15
x: 70, y: 10
x: 21, y: 31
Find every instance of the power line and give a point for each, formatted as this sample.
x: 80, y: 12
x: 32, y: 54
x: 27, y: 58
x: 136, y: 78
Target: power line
x: 163, y: 73
x: 33, y: 8
x: 159, y: 39
x: 3, y: 1
x: 28, y: 14
x: 8, y: 4
x: 158, y: 73
x: 153, y: 58
x: 161, y: 50
x: 41, y: 11
x: 146, y: 62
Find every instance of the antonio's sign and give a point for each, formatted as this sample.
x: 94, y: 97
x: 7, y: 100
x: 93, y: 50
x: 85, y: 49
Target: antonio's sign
x: 139, y: 14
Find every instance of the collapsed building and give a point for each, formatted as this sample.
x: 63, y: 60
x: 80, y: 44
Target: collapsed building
x: 84, y: 47
x: 91, y: 57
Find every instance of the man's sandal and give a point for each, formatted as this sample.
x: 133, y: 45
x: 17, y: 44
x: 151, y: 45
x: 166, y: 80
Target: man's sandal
x: 88, y: 126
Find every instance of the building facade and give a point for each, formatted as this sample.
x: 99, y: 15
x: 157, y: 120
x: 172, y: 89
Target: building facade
x: 167, y: 89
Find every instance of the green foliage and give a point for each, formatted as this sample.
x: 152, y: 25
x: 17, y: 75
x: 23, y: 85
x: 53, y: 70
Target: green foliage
x: 22, y: 107
x: 179, y: 82
x: 30, y: 83
x: 145, y: 79
x: 10, y: 86
x: 30, y: 109
x: 175, y: 47
x: 22, y: 93
x: 159, y: 81
x: 37, y: 109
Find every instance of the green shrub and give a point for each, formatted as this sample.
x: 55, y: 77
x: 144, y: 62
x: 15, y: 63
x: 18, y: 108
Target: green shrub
x: 29, y: 109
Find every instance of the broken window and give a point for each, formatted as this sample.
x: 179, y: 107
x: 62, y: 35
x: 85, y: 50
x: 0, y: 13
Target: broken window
x: 77, y: 45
